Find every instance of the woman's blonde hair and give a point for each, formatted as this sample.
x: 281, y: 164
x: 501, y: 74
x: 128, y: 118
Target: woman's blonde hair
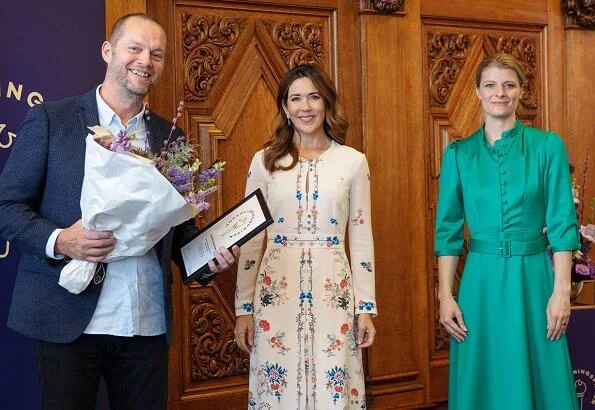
x: 504, y: 61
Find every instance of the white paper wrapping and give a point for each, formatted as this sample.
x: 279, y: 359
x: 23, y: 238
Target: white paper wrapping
x: 123, y: 193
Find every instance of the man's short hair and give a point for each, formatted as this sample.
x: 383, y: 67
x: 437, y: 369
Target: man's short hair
x: 116, y: 31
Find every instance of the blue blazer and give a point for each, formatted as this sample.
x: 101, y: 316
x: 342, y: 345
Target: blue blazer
x: 40, y: 190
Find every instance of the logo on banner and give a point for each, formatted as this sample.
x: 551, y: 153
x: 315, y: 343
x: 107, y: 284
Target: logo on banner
x: 15, y: 91
x: 585, y: 387
x: 6, y: 251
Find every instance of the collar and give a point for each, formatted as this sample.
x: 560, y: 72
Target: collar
x: 107, y: 116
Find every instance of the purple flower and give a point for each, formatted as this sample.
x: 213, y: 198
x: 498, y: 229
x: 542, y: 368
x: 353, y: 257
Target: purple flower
x: 583, y: 269
x: 121, y: 142
x: 588, y: 232
x: 181, y: 179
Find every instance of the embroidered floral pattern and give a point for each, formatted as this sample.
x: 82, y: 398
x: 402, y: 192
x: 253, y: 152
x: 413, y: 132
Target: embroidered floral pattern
x: 336, y: 380
x: 334, y: 221
x: 248, y: 307
x: 338, y: 294
x: 332, y: 241
x: 366, y: 265
x: 273, y: 381
x: 277, y: 343
x: 365, y: 306
x: 357, y: 219
x: 281, y: 240
x: 334, y: 345
x: 273, y: 292
x: 280, y: 220
x: 249, y: 264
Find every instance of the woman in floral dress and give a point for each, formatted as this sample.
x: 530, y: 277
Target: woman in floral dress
x: 303, y: 313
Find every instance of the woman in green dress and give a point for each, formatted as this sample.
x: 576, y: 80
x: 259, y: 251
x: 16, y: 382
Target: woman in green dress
x: 511, y: 184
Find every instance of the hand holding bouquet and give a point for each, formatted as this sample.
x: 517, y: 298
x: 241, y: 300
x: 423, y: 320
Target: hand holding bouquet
x: 137, y: 195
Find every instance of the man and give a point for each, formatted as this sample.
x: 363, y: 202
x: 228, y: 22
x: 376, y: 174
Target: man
x: 120, y: 326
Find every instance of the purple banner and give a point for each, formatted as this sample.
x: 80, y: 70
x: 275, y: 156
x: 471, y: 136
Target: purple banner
x: 50, y: 50
x: 581, y: 343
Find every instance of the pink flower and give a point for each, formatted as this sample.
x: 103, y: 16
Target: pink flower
x: 267, y: 280
x: 344, y: 328
x: 354, y: 392
x: 264, y: 325
x: 343, y: 283
x: 588, y: 232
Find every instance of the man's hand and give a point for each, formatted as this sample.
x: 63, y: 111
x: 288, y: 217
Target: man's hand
x: 224, y: 259
x: 77, y: 243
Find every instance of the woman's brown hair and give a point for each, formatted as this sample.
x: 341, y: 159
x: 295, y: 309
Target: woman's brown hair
x: 335, y: 123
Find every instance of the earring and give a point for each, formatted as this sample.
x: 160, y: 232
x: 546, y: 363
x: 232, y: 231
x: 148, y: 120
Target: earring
x: 289, y: 123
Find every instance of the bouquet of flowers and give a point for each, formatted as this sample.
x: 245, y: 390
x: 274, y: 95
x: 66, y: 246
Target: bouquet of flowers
x: 583, y: 267
x: 137, y: 195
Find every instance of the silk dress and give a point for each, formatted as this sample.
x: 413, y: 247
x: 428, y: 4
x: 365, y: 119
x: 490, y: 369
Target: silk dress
x: 511, y: 192
x: 303, y: 293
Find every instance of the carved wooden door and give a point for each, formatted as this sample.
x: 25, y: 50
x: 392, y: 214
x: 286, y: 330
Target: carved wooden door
x: 226, y: 59
x: 452, y: 52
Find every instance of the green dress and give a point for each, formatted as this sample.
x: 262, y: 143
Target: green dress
x: 507, y: 193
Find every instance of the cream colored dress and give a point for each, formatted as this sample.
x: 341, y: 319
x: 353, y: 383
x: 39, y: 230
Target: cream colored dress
x: 301, y: 291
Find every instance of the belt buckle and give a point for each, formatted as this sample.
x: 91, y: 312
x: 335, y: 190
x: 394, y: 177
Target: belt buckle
x: 505, y: 248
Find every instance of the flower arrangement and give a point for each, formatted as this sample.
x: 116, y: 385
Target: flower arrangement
x: 583, y: 267
x: 177, y: 162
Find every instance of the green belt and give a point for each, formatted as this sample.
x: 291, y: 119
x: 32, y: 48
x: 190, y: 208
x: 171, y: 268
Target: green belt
x: 507, y: 247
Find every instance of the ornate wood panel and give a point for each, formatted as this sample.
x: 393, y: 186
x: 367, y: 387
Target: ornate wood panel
x: 452, y: 55
x: 579, y: 13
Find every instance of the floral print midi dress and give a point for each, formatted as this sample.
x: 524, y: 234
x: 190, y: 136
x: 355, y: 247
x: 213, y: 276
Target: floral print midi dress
x: 299, y: 286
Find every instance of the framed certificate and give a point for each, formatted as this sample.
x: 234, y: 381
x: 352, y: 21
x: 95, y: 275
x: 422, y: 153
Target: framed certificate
x: 235, y: 227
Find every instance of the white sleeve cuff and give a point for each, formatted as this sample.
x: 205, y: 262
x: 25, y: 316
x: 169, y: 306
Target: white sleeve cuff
x: 50, y: 246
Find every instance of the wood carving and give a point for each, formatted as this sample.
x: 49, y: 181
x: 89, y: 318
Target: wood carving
x: 447, y: 54
x: 207, y: 41
x: 213, y: 351
x: 382, y: 6
x: 297, y: 43
x: 579, y: 13
x: 523, y: 49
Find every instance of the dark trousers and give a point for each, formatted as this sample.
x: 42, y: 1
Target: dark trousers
x: 134, y: 370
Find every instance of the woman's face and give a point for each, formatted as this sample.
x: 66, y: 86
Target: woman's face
x: 499, y: 92
x: 305, y: 107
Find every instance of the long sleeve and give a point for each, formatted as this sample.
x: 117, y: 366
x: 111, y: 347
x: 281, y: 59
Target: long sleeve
x: 252, y: 250
x: 560, y: 213
x: 361, y: 245
x: 22, y: 184
x: 450, y: 213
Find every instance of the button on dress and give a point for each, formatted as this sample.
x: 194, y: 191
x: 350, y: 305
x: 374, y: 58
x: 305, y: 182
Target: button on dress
x: 514, y: 190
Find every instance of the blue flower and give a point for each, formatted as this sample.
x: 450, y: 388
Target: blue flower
x: 305, y: 297
x: 334, y: 221
x: 281, y: 220
x: 367, y: 266
x: 315, y: 195
x: 298, y: 195
x: 365, y: 306
x: 332, y: 241
x: 248, y: 307
x: 280, y: 239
